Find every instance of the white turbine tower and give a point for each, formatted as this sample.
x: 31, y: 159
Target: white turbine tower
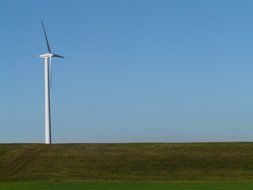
x: 48, y: 83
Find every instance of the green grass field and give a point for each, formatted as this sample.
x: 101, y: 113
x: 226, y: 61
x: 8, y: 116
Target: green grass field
x: 127, y: 166
x: 129, y: 186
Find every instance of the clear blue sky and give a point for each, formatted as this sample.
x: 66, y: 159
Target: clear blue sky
x: 136, y: 70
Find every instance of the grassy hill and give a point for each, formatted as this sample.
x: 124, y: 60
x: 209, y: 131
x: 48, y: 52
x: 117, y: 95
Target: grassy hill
x: 127, y: 162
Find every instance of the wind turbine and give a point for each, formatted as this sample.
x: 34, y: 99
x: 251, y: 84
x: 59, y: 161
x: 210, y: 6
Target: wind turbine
x: 48, y: 83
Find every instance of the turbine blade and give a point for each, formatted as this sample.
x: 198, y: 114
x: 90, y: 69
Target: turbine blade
x: 45, y: 33
x: 59, y: 56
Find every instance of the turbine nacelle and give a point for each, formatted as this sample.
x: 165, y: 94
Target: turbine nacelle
x: 46, y: 55
x: 50, y: 55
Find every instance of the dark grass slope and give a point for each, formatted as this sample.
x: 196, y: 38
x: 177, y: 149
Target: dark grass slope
x: 127, y: 186
x: 127, y: 162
